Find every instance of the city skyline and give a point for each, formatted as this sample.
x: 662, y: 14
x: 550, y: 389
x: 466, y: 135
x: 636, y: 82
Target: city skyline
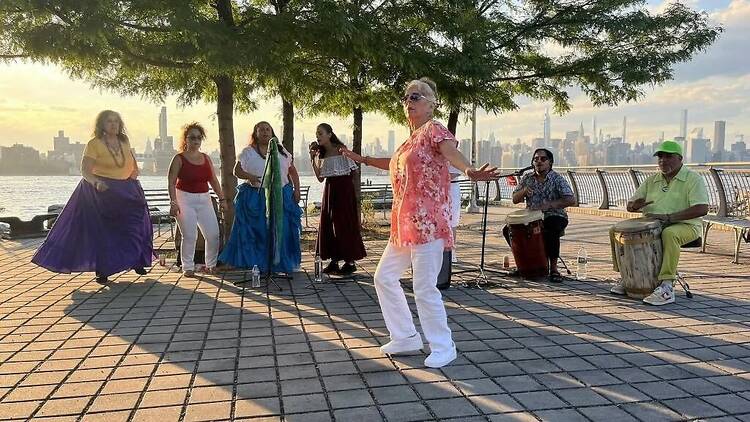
x: 39, y: 100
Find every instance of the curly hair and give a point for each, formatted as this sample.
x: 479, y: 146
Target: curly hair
x: 101, y: 120
x: 186, y: 130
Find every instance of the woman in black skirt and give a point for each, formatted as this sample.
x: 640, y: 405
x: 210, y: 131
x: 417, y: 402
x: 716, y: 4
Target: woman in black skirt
x: 339, y: 235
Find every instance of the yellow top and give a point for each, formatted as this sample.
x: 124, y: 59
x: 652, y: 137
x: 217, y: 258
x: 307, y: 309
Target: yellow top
x: 111, y: 164
x: 685, y: 190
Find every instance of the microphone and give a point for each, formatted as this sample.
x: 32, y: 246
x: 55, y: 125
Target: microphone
x: 523, y: 170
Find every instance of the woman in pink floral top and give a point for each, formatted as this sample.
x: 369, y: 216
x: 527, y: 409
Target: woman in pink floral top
x: 420, y: 226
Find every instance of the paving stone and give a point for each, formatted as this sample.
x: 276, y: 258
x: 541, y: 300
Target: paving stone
x: 560, y: 415
x: 482, y: 386
x: 693, y: 408
x: 538, y: 400
x: 621, y: 393
x: 518, y: 383
x: 350, y: 398
x: 406, y: 412
x: 452, y: 407
x: 661, y: 390
x: 360, y: 414
x: 394, y: 394
x: 582, y: 397
x: 729, y: 403
x: 607, y: 414
x: 698, y: 386
x: 496, y: 403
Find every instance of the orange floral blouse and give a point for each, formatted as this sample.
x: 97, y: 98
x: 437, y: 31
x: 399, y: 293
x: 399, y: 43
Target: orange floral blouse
x: 421, y: 209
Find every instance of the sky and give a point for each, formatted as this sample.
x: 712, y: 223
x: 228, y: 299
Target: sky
x: 37, y: 100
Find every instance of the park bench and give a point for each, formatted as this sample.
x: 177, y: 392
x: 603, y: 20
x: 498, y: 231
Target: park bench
x: 31, y: 228
x: 733, y: 188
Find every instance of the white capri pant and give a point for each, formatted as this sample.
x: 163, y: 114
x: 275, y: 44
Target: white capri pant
x: 425, y: 260
x: 196, y: 210
x: 455, y: 204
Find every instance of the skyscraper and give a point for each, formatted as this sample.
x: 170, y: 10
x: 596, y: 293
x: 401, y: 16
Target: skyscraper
x: 163, y: 124
x: 593, y: 132
x: 683, y: 124
x: 391, y: 142
x: 720, y: 129
x: 547, y: 129
x: 625, y: 129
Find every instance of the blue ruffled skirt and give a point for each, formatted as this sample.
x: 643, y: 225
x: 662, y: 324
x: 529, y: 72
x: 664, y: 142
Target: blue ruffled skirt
x: 248, y: 242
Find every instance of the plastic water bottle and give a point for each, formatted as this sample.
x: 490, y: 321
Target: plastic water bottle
x: 582, y: 264
x: 318, y: 269
x: 256, y: 277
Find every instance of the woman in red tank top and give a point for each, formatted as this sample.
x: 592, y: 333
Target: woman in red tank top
x: 190, y: 174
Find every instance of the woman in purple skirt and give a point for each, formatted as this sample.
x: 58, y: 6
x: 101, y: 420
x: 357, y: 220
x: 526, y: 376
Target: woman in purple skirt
x: 105, y: 226
x: 339, y: 235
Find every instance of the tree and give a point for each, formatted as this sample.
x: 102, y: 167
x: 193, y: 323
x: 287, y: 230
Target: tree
x: 152, y: 49
x: 491, y: 52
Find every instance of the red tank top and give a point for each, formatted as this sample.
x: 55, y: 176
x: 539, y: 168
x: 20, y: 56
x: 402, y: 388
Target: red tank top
x: 194, y: 178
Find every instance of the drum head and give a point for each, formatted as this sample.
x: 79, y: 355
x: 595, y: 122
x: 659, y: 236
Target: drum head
x: 524, y: 217
x: 637, y: 225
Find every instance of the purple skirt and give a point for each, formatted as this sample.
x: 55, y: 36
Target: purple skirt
x: 104, y: 232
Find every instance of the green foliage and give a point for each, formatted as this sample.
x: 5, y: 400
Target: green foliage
x: 329, y: 56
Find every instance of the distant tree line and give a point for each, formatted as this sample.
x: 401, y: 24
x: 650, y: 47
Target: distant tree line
x: 353, y: 57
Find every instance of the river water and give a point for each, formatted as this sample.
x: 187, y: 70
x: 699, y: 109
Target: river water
x: 27, y: 196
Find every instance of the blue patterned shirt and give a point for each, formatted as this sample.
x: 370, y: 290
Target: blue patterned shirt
x: 552, y: 188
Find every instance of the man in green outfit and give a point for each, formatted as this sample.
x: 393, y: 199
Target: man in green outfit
x: 676, y: 196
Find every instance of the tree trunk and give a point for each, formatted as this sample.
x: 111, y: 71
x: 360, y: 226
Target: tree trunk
x: 287, y: 137
x: 357, y: 147
x: 453, y: 120
x: 225, y: 113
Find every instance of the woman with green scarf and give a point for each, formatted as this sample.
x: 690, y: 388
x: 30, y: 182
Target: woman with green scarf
x: 267, y: 214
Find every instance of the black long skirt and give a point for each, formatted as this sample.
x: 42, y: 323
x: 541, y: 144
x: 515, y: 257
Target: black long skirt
x: 339, y: 234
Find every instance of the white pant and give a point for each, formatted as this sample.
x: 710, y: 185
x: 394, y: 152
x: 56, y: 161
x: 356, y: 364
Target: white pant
x: 455, y: 204
x: 426, y: 261
x: 196, y: 210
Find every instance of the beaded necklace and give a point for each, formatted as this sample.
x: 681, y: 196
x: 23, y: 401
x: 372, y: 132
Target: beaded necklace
x: 114, y: 151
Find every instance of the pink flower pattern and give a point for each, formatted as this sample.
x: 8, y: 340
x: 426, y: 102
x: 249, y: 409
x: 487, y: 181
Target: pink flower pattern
x: 421, y: 188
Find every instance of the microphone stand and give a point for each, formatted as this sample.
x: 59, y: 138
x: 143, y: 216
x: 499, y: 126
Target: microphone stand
x: 482, y: 279
x: 269, y: 276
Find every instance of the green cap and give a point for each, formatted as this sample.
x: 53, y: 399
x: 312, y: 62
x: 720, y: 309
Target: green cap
x: 670, y: 147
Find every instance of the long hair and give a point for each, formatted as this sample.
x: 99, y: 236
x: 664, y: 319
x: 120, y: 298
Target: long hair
x: 186, y: 130
x: 101, y: 120
x: 334, y: 139
x: 254, y: 139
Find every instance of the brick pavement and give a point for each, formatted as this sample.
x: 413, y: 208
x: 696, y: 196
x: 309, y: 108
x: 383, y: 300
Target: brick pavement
x: 164, y: 347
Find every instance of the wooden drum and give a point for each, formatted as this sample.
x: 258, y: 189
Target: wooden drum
x: 527, y: 242
x: 638, y: 250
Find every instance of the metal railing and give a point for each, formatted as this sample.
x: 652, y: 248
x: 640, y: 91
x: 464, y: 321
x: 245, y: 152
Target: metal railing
x: 609, y: 187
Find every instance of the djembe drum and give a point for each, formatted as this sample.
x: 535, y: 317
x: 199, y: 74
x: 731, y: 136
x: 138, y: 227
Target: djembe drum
x: 638, y: 251
x: 527, y: 242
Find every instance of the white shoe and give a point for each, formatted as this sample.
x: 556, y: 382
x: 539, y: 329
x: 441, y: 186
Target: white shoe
x: 440, y: 359
x: 662, y: 295
x: 618, y: 289
x: 409, y: 344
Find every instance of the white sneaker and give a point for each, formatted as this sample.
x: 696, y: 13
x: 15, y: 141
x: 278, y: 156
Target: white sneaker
x: 409, y: 344
x: 662, y: 295
x: 440, y: 359
x: 618, y: 289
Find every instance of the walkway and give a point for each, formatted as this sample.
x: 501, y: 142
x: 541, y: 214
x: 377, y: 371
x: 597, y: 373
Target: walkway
x: 163, y: 347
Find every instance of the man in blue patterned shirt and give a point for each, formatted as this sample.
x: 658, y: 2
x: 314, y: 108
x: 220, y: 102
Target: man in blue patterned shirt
x: 547, y: 191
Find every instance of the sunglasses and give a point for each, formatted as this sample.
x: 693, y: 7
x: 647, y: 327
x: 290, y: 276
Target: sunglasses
x: 195, y: 138
x: 413, y: 97
x: 542, y: 159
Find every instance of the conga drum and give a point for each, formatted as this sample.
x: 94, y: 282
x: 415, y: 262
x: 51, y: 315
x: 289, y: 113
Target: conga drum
x: 638, y: 252
x: 527, y: 242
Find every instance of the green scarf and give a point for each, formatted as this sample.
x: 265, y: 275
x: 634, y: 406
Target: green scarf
x: 274, y: 198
